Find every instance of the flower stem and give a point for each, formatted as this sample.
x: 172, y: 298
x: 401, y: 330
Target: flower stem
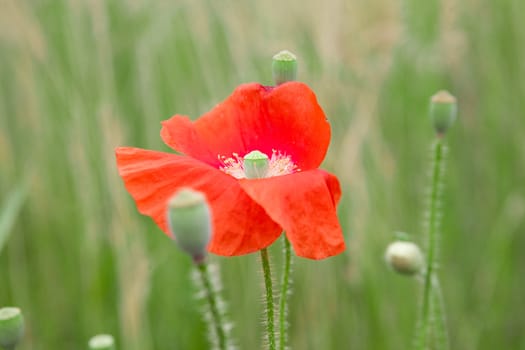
x: 285, y: 291
x: 269, y: 299
x: 216, y: 323
x: 438, y: 315
x: 428, y: 309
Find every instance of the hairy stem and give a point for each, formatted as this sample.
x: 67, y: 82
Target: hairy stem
x: 216, y: 322
x: 270, y: 330
x: 285, y: 291
x: 438, y: 316
x: 430, y: 280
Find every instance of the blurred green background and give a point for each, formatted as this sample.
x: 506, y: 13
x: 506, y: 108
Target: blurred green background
x: 78, y: 78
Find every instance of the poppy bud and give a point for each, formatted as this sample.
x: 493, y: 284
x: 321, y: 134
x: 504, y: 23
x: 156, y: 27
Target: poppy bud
x: 102, y: 342
x: 404, y: 257
x: 11, y: 327
x: 189, y: 221
x: 443, y: 111
x: 284, y: 67
x: 256, y: 165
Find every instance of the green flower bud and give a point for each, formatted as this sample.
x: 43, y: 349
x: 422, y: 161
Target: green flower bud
x: 11, y: 327
x: 404, y: 257
x: 189, y: 221
x: 256, y: 165
x: 102, y: 342
x: 443, y: 111
x: 284, y: 67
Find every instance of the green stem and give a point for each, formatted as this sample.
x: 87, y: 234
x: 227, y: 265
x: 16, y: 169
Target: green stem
x: 285, y: 291
x: 269, y: 298
x: 438, y: 315
x: 215, y: 322
x: 433, y: 224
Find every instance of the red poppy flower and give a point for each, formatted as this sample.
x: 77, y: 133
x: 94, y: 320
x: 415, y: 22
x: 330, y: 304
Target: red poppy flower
x: 284, y: 122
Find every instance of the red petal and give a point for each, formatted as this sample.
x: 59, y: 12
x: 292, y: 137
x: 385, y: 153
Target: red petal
x: 179, y: 133
x: 240, y: 225
x: 303, y: 204
x: 286, y: 118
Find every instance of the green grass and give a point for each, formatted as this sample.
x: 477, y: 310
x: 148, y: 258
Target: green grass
x: 78, y: 78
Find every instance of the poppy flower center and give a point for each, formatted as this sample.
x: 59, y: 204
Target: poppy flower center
x: 261, y: 165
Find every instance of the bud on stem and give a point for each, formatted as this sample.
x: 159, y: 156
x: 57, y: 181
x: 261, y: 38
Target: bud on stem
x: 102, y: 342
x: 443, y: 111
x: 11, y: 327
x: 189, y: 221
x: 404, y: 257
x: 284, y: 67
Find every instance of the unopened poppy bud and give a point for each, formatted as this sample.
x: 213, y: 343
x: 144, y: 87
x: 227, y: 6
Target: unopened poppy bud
x: 102, y: 342
x: 443, y: 111
x: 256, y: 165
x: 11, y: 327
x: 284, y: 67
x: 189, y: 221
x: 404, y: 257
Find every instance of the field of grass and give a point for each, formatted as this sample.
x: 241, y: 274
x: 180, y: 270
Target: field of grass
x: 80, y: 77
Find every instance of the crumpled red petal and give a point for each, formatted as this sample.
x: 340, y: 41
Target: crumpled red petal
x: 240, y: 225
x: 179, y: 133
x: 304, y: 204
x: 286, y: 118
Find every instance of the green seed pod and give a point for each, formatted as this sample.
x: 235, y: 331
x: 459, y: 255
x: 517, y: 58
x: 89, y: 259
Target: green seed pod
x: 404, y: 257
x: 11, y: 327
x: 284, y: 67
x: 256, y: 165
x: 189, y: 221
x: 443, y: 111
x: 102, y: 342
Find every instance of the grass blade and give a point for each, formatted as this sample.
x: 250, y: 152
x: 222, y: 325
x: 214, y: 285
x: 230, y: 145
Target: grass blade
x: 9, y: 212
